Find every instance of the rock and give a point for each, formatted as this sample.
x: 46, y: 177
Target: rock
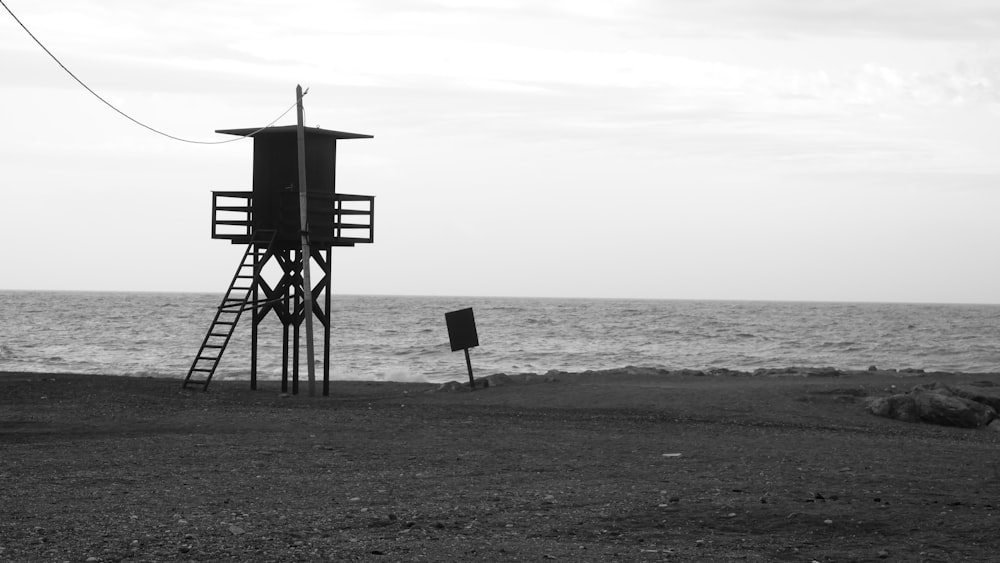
x: 950, y: 410
x: 236, y: 530
x: 450, y: 387
x: 872, y: 368
x: 821, y: 372
x: 499, y: 379
x: 937, y: 403
x: 899, y: 407
x: 797, y: 372
x: 725, y: 372
x: 988, y: 399
x: 995, y: 425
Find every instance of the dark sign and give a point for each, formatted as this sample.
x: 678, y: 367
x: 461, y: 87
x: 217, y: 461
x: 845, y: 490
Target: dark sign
x: 462, y: 329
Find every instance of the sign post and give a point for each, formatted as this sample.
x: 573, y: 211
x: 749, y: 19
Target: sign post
x: 462, y: 335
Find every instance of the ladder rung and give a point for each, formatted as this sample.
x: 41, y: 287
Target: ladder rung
x: 213, y: 346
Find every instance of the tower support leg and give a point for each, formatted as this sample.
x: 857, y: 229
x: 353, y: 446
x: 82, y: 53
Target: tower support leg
x: 255, y: 317
x: 296, y: 319
x: 327, y: 314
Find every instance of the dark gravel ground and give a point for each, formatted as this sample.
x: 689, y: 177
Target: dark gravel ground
x: 588, y: 467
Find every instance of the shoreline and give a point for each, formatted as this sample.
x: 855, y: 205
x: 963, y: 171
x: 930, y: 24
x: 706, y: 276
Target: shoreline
x: 790, y: 371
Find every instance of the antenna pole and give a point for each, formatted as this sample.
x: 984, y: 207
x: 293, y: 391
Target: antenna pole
x: 306, y: 251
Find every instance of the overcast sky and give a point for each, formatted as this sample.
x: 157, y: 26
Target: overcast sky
x: 720, y: 149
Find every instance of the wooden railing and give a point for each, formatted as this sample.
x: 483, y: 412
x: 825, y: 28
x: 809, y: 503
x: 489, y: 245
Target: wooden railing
x: 232, y: 215
x: 352, y: 219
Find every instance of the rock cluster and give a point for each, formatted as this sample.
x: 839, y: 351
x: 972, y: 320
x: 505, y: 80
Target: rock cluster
x: 937, y: 403
x: 796, y: 371
x: 499, y: 380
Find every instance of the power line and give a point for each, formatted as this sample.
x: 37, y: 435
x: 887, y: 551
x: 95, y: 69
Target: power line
x: 122, y: 113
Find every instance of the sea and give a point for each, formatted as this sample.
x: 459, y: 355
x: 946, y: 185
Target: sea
x: 405, y: 338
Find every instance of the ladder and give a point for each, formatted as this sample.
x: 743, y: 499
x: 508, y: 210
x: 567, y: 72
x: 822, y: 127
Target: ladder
x: 234, y: 302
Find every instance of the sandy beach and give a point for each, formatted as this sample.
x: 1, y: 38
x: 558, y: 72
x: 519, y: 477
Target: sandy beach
x: 628, y: 465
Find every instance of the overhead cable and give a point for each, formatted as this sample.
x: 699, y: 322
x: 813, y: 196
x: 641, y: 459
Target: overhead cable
x: 122, y: 113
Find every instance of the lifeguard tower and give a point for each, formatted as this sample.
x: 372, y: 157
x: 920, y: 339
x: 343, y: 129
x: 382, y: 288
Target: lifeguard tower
x: 269, y: 222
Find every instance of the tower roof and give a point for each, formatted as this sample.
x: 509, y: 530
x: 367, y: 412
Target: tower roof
x: 285, y: 129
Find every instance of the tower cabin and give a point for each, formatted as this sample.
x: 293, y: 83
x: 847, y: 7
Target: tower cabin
x: 267, y: 220
x: 274, y: 202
